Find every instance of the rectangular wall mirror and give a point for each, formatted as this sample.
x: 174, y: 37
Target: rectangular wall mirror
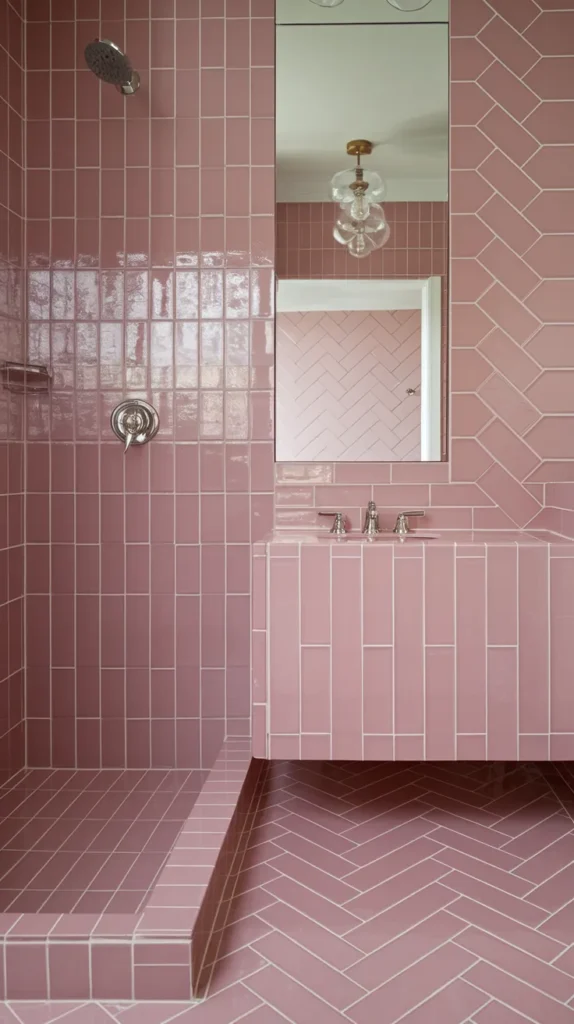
x: 362, y: 231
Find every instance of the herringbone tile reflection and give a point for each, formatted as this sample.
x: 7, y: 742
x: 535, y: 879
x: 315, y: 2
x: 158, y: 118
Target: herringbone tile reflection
x: 378, y: 893
x: 342, y: 379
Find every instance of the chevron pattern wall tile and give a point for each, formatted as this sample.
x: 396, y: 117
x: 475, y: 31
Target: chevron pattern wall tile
x: 512, y: 246
x: 341, y: 385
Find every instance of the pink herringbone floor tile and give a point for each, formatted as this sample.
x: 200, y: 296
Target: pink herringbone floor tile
x: 454, y: 906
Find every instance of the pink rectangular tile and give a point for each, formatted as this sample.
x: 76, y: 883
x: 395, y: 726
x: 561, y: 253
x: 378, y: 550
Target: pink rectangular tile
x: 471, y: 645
x: 533, y: 571
x: 439, y: 594
x: 501, y: 572
x: 315, y: 595
x: 440, y: 725
x: 561, y: 641
x: 315, y: 689
x: 284, y: 645
x: 377, y: 580
x: 346, y: 672
x: 408, y: 640
x: 377, y: 690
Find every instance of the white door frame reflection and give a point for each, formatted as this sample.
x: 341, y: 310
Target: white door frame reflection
x: 298, y: 296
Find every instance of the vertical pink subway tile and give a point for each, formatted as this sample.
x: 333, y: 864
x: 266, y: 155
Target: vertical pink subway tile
x: 561, y: 643
x: 378, y: 690
x: 284, y: 639
x: 440, y: 703
x: 259, y: 665
x: 347, y: 669
x: 502, y: 601
x: 439, y: 594
x: 408, y: 641
x: 315, y: 597
x: 471, y: 645
x: 259, y: 727
x: 502, y: 697
x: 533, y: 652
x: 315, y: 689
x: 377, y: 595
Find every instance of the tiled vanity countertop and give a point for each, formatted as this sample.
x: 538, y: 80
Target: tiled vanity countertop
x: 455, y: 647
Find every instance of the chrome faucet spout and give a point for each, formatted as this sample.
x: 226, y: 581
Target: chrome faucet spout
x: 371, y: 526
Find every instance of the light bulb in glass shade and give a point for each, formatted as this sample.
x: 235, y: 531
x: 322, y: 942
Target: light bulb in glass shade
x: 327, y: 3
x: 359, y: 208
x: 409, y: 5
x: 341, y: 191
x: 361, y: 245
x: 362, y: 236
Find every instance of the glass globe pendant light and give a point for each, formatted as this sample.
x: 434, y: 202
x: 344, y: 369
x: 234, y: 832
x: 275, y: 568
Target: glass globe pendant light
x: 352, y: 187
x: 362, y: 237
x: 327, y: 3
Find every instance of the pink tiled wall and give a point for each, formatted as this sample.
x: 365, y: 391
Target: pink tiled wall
x: 149, y: 252
x: 11, y: 345
x: 417, y: 246
x: 512, y: 229
x: 146, y: 560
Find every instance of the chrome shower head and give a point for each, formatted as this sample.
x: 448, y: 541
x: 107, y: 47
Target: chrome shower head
x: 110, y: 64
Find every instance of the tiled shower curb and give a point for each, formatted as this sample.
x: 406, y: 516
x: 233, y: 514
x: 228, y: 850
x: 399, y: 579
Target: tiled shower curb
x: 159, y: 953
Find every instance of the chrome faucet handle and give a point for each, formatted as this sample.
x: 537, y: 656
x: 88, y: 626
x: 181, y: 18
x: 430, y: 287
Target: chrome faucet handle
x: 339, y: 526
x: 371, y: 526
x: 402, y: 523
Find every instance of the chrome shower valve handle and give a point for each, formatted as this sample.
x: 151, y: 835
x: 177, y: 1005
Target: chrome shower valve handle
x: 134, y: 422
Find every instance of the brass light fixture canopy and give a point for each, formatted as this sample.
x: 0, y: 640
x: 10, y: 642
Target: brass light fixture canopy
x: 359, y: 147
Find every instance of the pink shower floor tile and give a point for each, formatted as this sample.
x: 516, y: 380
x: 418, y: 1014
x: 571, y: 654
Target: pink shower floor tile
x: 86, y: 842
x: 385, y: 893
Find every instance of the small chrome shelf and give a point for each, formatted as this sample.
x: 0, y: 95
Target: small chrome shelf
x: 24, y: 378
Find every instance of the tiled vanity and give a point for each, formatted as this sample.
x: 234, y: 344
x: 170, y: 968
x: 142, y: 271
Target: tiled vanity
x: 460, y: 647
